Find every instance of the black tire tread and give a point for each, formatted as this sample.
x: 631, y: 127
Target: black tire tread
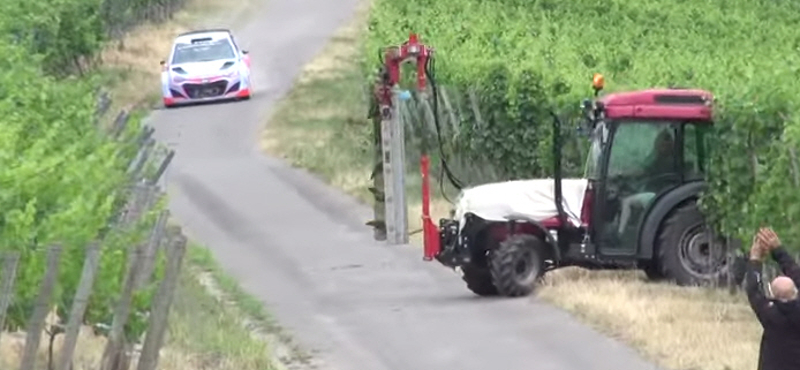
x: 479, y: 280
x: 653, y: 271
x: 672, y: 226
x: 501, y: 263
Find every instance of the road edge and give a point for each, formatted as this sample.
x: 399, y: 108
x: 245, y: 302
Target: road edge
x: 284, y: 353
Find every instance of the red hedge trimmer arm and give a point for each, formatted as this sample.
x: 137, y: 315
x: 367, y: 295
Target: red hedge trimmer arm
x: 394, y: 56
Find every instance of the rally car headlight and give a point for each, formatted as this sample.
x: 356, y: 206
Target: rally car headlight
x: 228, y: 71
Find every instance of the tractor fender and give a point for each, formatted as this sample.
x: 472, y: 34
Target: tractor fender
x: 663, y: 205
x: 548, y: 238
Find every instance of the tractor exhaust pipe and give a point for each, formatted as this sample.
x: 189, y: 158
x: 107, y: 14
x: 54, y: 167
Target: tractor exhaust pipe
x: 557, y: 175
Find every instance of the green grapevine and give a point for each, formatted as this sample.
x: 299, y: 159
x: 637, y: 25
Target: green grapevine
x: 61, y: 177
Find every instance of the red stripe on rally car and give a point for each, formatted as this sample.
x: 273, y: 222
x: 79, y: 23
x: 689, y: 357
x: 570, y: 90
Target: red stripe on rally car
x: 243, y: 93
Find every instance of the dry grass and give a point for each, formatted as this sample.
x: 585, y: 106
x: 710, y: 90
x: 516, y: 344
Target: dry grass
x: 204, y: 333
x: 681, y: 328
x: 320, y: 126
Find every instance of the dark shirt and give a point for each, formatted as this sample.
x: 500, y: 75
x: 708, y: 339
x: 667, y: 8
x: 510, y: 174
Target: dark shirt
x: 652, y: 177
x: 661, y: 164
x: 780, y: 343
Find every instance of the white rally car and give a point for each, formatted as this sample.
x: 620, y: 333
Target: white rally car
x: 205, y: 65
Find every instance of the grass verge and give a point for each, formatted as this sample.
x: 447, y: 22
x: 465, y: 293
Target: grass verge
x: 227, y: 290
x: 206, y: 330
x: 321, y: 126
x: 210, y: 332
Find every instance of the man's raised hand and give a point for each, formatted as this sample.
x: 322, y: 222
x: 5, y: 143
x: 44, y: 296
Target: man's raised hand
x: 767, y: 238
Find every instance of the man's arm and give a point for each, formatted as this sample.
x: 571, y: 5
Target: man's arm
x: 787, y: 263
x: 755, y: 294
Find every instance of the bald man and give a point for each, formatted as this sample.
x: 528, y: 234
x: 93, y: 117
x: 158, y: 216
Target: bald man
x: 780, y: 314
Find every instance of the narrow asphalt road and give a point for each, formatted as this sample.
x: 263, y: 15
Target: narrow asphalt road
x: 303, y: 249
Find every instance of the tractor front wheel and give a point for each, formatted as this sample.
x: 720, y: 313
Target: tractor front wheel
x: 686, y: 252
x: 478, y: 279
x: 517, y: 264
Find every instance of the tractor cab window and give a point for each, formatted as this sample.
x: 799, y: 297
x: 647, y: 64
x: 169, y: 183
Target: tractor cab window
x: 642, y: 149
x: 598, y: 139
x: 695, y: 150
x: 641, y: 164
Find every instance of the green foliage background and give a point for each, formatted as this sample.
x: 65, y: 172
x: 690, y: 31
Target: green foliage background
x: 61, y: 177
x: 525, y: 57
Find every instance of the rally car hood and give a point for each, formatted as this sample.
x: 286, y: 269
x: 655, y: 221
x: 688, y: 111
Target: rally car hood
x: 202, y: 69
x: 534, y: 199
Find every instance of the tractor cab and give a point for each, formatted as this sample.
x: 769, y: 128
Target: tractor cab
x: 644, y: 145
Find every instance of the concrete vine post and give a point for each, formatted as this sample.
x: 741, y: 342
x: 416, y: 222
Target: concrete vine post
x: 398, y: 143
x: 392, y: 143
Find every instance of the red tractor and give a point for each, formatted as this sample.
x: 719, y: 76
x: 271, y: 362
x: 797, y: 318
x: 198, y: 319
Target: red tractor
x: 635, y: 207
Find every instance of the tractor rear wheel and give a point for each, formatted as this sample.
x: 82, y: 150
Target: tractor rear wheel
x: 653, y: 271
x: 517, y: 264
x: 478, y: 279
x: 686, y: 252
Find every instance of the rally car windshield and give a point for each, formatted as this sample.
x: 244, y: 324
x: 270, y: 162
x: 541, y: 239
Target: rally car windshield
x: 206, y: 52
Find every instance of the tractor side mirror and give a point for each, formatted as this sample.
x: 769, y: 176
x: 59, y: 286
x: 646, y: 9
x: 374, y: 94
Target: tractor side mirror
x: 585, y: 123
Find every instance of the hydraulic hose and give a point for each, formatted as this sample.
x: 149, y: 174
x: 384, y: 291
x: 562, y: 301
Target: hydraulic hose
x: 445, y: 169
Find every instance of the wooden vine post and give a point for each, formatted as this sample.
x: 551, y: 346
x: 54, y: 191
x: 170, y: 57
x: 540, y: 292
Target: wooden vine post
x: 79, y: 304
x: 42, y: 307
x: 9, y: 273
x: 162, y: 303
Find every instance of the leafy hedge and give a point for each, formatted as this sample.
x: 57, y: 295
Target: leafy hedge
x: 66, y: 33
x: 61, y: 177
x: 527, y: 56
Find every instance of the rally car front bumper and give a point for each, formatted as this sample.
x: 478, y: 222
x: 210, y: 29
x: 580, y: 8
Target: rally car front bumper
x: 194, y: 90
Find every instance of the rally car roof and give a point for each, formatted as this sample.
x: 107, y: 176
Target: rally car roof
x: 213, y: 34
x: 209, y: 30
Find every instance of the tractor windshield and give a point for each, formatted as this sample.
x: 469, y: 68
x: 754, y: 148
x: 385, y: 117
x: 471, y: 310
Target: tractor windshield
x: 598, y: 140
